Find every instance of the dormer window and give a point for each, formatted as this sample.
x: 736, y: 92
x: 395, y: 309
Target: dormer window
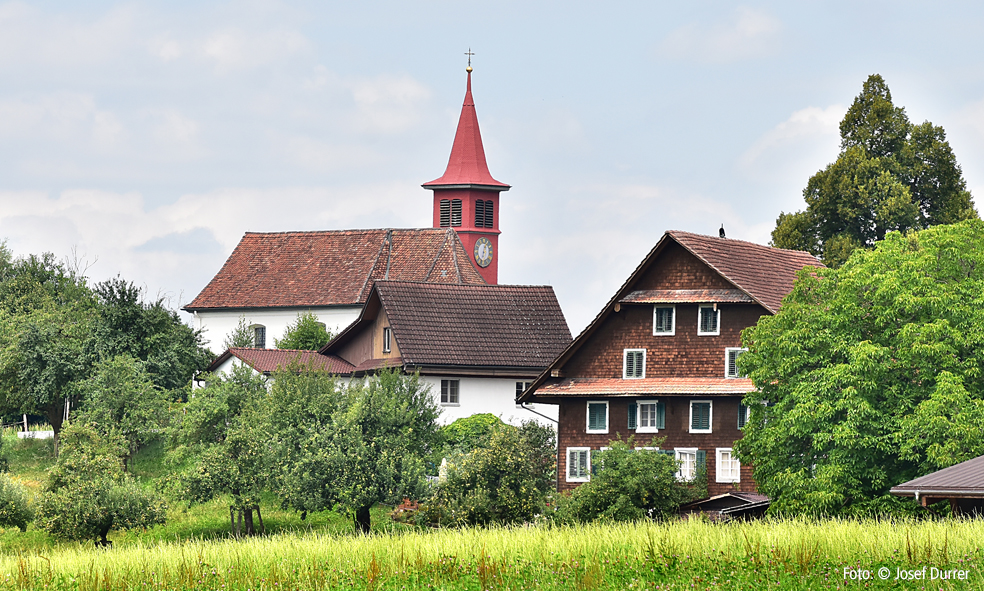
x: 663, y: 320
x: 259, y: 336
x: 387, y: 339
x: 708, y: 320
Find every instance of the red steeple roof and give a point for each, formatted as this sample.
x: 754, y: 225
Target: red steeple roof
x: 467, y: 164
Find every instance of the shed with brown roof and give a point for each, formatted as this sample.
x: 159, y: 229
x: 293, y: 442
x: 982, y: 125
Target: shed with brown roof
x: 961, y: 484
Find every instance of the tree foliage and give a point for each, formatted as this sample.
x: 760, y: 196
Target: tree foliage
x: 241, y: 337
x: 872, y: 373
x: 626, y: 485
x: 890, y: 175
x: 503, y: 480
x: 87, y: 494
x: 15, y: 506
x: 120, y: 398
x: 221, y: 446
x: 306, y: 333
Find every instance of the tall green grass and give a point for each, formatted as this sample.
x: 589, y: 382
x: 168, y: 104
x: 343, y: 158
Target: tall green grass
x: 794, y: 554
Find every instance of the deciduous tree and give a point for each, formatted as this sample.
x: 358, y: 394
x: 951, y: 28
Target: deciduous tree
x: 307, y: 333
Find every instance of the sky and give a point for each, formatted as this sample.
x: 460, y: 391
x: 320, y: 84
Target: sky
x: 142, y: 139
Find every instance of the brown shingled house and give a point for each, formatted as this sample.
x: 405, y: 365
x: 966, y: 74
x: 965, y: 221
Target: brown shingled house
x: 659, y: 361
x: 478, y: 346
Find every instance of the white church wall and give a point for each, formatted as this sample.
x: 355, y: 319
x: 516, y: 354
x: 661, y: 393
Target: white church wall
x: 217, y: 325
x: 496, y: 396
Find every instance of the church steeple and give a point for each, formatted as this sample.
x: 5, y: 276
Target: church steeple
x: 466, y: 197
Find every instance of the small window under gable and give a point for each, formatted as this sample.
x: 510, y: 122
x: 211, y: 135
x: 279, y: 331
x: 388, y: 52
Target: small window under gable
x: 700, y: 416
x: 387, y: 339
x: 708, y: 320
x: 634, y: 363
x: 597, y: 419
x: 731, y: 355
x: 664, y: 318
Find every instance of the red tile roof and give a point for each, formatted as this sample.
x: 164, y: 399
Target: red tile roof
x: 609, y: 387
x: 763, y: 272
x: 965, y: 478
x: 271, y: 360
x: 311, y: 269
x: 693, y: 296
x: 516, y: 326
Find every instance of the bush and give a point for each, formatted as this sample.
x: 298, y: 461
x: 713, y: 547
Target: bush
x: 626, y: 485
x: 504, y: 481
x: 15, y: 508
x: 87, y: 494
x: 468, y: 433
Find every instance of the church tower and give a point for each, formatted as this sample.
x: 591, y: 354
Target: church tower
x: 466, y: 198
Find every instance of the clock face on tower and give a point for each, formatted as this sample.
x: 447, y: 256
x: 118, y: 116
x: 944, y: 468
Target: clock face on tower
x: 483, y: 252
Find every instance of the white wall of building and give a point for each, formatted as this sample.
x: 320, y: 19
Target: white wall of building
x: 216, y: 325
x: 488, y: 395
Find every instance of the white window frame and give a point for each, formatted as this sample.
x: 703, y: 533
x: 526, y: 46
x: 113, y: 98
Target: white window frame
x: 710, y: 417
x: 734, y: 466
x: 682, y: 463
x: 639, y: 428
x: 587, y: 416
x: 387, y: 339
x: 625, y: 359
x: 457, y: 393
x: 646, y: 448
x: 727, y: 364
x: 525, y: 386
x: 672, y: 330
x: 567, y: 468
x: 716, y: 324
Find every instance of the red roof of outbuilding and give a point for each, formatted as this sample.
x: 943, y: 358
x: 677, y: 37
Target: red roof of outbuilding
x: 270, y: 360
x: 312, y: 269
x: 467, y: 165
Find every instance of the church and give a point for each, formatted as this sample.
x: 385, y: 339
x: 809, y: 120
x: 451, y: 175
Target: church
x: 425, y: 300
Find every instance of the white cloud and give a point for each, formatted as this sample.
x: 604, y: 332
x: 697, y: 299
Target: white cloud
x: 60, y: 116
x: 796, y: 148
x: 174, y: 128
x: 749, y: 33
x: 236, y: 49
x: 388, y: 104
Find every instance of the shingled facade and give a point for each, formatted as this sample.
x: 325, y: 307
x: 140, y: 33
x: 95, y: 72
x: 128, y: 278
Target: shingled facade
x: 658, y: 362
x: 478, y: 346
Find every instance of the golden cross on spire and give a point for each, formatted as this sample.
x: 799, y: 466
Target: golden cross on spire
x: 469, y: 54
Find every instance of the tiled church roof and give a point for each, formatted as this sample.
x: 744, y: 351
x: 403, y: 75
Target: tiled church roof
x: 309, y: 269
x: 763, y: 272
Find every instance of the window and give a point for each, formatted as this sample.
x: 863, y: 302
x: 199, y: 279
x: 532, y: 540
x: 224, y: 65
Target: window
x: 259, y: 336
x: 663, y: 320
x: 597, y: 417
x: 743, y: 414
x: 520, y: 388
x: 449, y: 391
x: 634, y: 363
x: 483, y: 213
x: 651, y: 416
x: 700, y: 416
x: 578, y: 464
x: 708, y: 320
x: 687, y: 466
x: 450, y: 212
x: 731, y: 355
x: 387, y: 339
x: 728, y: 468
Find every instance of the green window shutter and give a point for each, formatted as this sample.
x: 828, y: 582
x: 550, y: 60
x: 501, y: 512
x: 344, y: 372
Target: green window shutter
x: 660, y: 415
x: 596, y: 463
x: 701, y: 418
x: 701, y: 458
x: 742, y: 414
x: 572, y: 464
x: 597, y: 416
x: 666, y: 452
x: 633, y: 409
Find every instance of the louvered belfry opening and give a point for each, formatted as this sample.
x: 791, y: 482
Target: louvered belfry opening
x: 484, y: 210
x: 445, y: 213
x: 455, y: 212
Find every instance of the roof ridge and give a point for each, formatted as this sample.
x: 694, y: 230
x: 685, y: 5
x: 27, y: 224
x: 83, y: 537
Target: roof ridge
x: 345, y: 231
x: 748, y: 242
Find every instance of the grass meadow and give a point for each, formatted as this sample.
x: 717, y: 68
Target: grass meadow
x: 194, y: 551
